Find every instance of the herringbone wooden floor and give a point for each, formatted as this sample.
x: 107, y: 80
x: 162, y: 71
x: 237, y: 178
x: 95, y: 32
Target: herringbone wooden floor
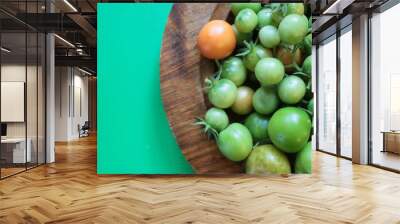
x: 69, y: 191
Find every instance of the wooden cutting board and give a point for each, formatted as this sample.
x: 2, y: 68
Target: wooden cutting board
x: 182, y: 75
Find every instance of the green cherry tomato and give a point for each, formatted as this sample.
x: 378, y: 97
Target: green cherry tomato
x: 258, y: 127
x: 289, y: 129
x: 234, y: 70
x: 291, y: 90
x: 265, y: 18
x: 269, y: 36
x: 237, y: 7
x: 307, y: 65
x: 216, y: 118
x: 235, y: 142
x: 269, y: 71
x: 310, y: 106
x: 256, y: 53
x: 241, y: 37
x: 266, y: 159
x: 293, y: 29
x: 244, y: 101
x: 303, y: 162
x: 295, y: 8
x: 265, y: 100
x: 246, y: 21
x: 222, y: 93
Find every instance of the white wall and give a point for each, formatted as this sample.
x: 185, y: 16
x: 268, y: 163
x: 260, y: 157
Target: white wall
x: 33, y: 127
x: 12, y: 73
x: 71, y: 102
x: 62, y: 82
x: 9, y: 73
x: 81, y: 103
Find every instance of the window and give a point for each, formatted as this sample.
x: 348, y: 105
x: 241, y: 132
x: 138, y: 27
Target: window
x: 385, y: 89
x: 346, y: 92
x: 327, y: 95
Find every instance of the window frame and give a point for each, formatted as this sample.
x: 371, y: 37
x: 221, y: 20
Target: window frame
x: 339, y: 32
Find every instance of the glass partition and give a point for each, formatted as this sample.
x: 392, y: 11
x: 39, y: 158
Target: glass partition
x: 385, y: 89
x: 327, y: 95
x: 22, y: 91
x: 14, y: 153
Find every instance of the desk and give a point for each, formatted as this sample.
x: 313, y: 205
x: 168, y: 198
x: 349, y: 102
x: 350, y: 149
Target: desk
x: 391, y: 141
x: 18, y: 150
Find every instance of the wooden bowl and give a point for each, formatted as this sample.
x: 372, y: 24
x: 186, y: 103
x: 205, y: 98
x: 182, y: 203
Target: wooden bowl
x: 182, y: 75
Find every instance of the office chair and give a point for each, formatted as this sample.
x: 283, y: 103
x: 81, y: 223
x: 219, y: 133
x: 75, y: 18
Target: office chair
x: 84, y: 130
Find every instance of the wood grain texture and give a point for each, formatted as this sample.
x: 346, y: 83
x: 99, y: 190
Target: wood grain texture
x: 70, y: 191
x: 182, y: 74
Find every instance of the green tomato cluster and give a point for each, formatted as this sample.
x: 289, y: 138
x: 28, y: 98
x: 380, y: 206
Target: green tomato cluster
x: 261, y: 101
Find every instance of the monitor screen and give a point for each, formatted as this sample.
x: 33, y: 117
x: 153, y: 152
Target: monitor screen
x: 3, y: 129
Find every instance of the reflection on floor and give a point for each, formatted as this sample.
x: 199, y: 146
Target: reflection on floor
x: 10, y: 170
x: 387, y: 159
x: 70, y: 191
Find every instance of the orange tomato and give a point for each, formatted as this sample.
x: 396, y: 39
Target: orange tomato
x: 216, y: 40
x: 286, y: 58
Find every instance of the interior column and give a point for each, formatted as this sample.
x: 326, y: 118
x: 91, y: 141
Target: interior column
x: 360, y: 90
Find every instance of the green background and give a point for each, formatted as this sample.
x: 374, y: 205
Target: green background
x: 133, y: 132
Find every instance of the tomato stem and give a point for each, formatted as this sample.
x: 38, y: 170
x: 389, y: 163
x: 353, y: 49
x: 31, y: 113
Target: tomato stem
x: 284, y: 9
x: 302, y: 74
x: 211, y: 132
x: 217, y: 63
x: 286, y: 46
x: 217, y: 75
x: 246, y: 50
x: 208, y: 84
x: 294, y: 49
x: 309, y: 85
x: 296, y: 66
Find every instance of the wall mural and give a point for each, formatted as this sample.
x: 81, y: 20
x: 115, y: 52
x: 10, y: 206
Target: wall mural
x: 235, y: 86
